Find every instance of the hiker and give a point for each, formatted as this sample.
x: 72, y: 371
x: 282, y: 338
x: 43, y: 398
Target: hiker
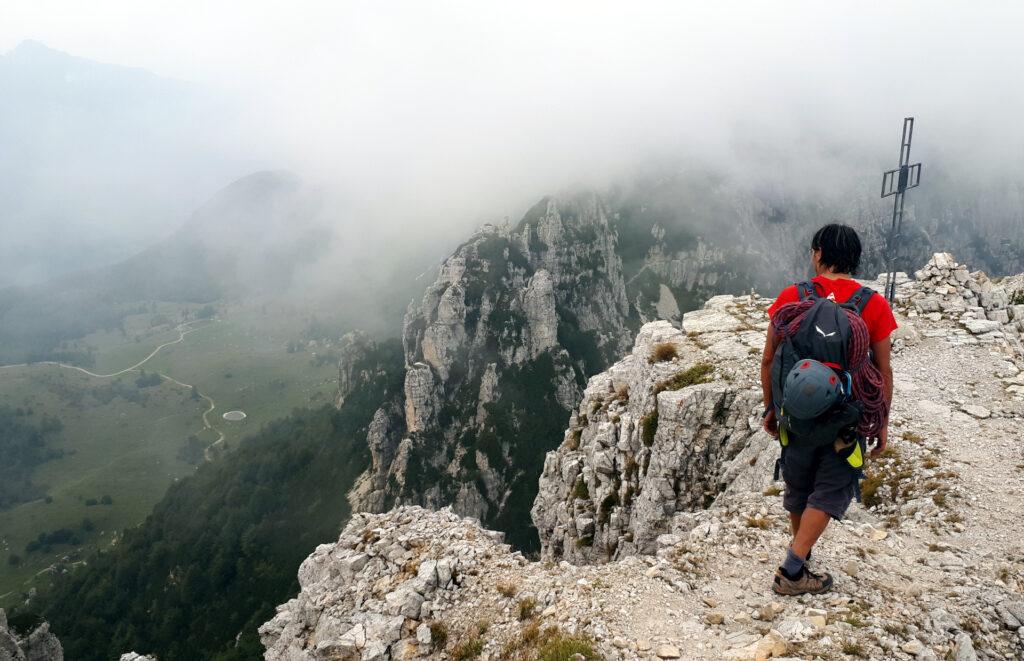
x: 825, y: 395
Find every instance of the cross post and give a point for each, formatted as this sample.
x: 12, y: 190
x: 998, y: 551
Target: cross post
x: 896, y: 182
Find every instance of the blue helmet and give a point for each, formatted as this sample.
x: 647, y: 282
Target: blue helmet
x: 812, y: 388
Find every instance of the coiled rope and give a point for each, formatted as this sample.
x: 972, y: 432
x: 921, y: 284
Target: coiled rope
x: 867, y: 379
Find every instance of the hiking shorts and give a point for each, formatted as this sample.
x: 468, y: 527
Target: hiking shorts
x: 817, y: 477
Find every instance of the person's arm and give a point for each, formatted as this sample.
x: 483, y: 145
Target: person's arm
x: 771, y: 343
x: 882, y: 356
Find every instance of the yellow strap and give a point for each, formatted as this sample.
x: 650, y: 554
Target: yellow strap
x: 856, y: 458
x: 783, y: 436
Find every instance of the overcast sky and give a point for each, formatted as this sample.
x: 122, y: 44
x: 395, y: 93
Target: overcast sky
x: 470, y: 108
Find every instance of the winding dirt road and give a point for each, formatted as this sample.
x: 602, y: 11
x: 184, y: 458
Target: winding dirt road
x: 183, y: 330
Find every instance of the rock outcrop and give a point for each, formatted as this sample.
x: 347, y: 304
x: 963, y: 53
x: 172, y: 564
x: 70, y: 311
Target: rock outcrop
x: 37, y: 645
x: 516, y: 320
x: 988, y: 311
x: 656, y: 433
x: 376, y: 592
x: 351, y: 349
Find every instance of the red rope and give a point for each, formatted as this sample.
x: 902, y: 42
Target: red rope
x: 867, y: 380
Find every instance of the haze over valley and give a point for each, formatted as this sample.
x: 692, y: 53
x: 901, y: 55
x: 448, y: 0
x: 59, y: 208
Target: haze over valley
x: 395, y: 242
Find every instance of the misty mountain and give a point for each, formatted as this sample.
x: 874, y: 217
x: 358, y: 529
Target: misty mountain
x: 494, y: 358
x: 249, y: 240
x: 98, y: 160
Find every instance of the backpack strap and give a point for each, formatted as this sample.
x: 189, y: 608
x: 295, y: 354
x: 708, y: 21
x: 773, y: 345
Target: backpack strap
x: 807, y: 290
x: 859, y: 300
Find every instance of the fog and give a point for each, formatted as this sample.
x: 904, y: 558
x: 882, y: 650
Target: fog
x: 422, y: 120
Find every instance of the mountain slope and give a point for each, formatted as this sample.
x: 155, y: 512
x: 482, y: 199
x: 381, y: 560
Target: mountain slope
x: 221, y: 548
x: 496, y: 353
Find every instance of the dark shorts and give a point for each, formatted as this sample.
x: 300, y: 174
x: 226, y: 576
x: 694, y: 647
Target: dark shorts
x: 817, y: 477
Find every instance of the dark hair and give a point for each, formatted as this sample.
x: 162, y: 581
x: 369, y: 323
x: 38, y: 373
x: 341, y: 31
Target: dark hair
x: 839, y: 246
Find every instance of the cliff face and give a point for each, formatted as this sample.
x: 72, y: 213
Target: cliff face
x: 664, y: 430
x: 373, y: 594
x: 661, y: 525
x: 352, y: 348
x: 496, y: 354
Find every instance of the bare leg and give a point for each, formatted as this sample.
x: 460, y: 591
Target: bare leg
x: 807, y: 531
x: 794, y: 522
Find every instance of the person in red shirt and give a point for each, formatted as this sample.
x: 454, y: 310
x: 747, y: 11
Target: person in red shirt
x: 819, y: 483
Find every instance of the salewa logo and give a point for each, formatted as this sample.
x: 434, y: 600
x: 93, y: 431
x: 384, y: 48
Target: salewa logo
x: 823, y: 334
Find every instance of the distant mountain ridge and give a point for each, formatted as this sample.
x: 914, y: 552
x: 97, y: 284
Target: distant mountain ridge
x: 250, y: 238
x: 98, y: 159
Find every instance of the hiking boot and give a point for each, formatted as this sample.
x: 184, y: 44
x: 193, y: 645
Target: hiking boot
x: 806, y: 582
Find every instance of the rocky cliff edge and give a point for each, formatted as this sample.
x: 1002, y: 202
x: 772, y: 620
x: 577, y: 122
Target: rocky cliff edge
x: 661, y: 524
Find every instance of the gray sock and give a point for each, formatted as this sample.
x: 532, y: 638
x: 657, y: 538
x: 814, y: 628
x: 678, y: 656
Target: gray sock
x: 792, y: 564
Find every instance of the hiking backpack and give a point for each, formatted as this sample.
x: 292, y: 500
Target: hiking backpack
x: 824, y: 335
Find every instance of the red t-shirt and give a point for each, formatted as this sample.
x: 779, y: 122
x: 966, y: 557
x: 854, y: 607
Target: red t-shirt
x: 877, y: 313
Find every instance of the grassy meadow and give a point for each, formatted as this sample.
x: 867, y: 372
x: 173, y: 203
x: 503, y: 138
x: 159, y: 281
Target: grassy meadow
x: 126, y: 442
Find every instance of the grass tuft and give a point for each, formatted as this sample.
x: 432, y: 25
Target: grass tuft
x: 575, y: 436
x: 438, y: 635
x: 565, y: 648
x: 663, y: 352
x: 912, y: 437
x: 549, y: 644
x: 649, y: 427
x: 762, y: 522
x: 854, y: 649
x: 699, y: 373
x: 507, y: 589
x: 527, y: 606
x: 468, y: 649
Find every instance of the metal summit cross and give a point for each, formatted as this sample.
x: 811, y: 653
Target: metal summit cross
x: 896, y: 182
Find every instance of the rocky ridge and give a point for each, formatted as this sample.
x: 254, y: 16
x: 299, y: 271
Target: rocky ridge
x: 516, y: 320
x: 660, y: 533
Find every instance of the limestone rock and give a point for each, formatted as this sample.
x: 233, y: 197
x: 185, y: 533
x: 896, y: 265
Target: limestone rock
x: 667, y: 449
x: 351, y: 349
x: 419, y: 397
x: 38, y: 645
x: 964, y: 648
x: 660, y: 504
x: 358, y: 594
x: 539, y: 306
x: 979, y: 326
x: 493, y: 321
x: 977, y: 411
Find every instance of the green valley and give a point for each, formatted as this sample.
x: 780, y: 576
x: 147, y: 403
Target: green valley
x: 131, y: 436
